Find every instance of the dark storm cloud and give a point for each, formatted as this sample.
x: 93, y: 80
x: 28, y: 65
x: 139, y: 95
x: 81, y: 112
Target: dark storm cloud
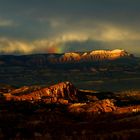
x: 69, y: 25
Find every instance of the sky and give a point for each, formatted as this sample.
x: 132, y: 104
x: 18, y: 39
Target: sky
x: 57, y: 26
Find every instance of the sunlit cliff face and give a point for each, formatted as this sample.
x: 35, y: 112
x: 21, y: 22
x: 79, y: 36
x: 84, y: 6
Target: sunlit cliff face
x: 96, y: 55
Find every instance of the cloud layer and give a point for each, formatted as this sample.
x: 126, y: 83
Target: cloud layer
x: 39, y: 26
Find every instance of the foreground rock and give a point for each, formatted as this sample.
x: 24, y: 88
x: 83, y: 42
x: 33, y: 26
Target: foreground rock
x: 63, y: 112
x: 98, y: 107
x: 63, y: 92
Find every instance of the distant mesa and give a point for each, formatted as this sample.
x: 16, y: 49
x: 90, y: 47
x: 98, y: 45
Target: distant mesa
x: 96, y: 55
x: 68, y: 58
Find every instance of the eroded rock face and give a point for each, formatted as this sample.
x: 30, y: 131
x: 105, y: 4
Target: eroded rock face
x: 63, y: 92
x: 113, y: 54
x: 101, y: 106
x: 69, y: 57
x: 99, y: 118
x: 97, y: 55
x: 66, y: 58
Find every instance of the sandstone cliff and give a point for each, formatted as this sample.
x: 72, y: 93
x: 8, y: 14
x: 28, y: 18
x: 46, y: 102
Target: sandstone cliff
x: 63, y: 92
x: 97, y: 55
x: 66, y: 58
x: 57, y: 112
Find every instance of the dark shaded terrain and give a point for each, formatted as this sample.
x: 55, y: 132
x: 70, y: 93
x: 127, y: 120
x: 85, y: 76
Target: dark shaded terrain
x: 93, y: 79
x: 63, y: 112
x: 33, y: 106
x: 95, y: 70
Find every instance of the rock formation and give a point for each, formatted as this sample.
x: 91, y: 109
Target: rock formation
x: 66, y: 58
x: 56, y: 112
x: 97, y: 55
x: 63, y: 92
x: 98, y: 107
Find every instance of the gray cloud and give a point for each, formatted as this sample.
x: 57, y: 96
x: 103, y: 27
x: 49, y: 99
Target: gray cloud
x: 66, y: 25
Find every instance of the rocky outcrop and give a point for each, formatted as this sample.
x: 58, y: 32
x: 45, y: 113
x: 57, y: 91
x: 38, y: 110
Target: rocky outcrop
x: 98, y: 107
x: 97, y: 55
x: 63, y: 92
x: 70, y: 57
x: 26, y: 116
x: 127, y: 110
